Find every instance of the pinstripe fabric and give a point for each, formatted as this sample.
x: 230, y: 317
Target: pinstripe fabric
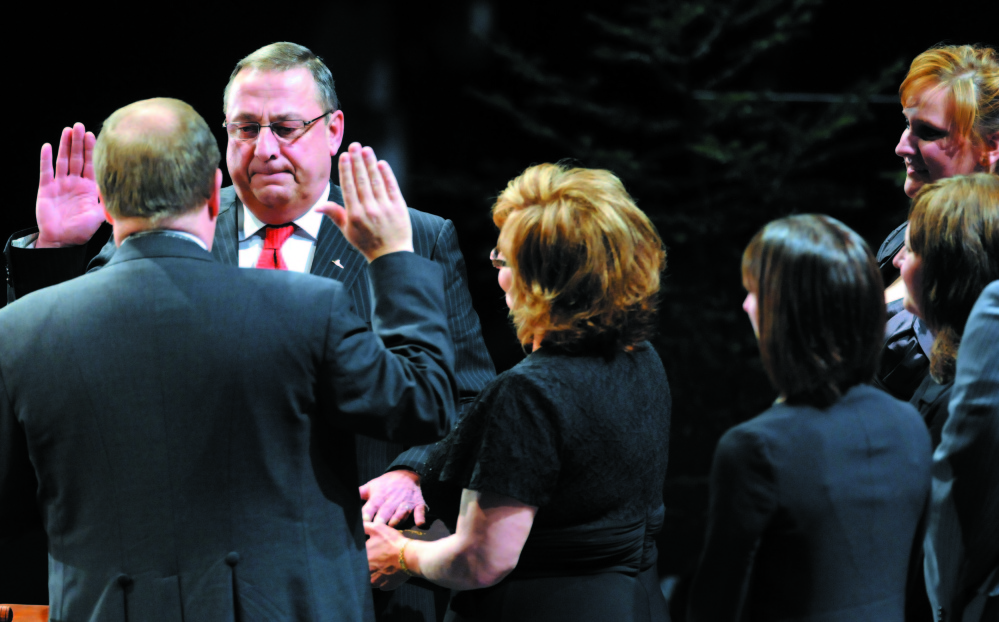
x: 434, y: 238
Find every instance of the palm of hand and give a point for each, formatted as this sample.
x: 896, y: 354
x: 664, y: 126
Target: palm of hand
x: 68, y: 209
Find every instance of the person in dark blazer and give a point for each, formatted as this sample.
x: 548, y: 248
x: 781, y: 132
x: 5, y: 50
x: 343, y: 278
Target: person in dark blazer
x: 962, y: 536
x: 277, y: 181
x: 186, y: 427
x: 951, y: 253
x: 816, y: 503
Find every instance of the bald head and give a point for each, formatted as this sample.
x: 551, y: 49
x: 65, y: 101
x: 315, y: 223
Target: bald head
x: 155, y: 159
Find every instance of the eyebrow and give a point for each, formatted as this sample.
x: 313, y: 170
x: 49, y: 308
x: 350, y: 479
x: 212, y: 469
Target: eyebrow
x: 907, y: 112
x: 249, y: 117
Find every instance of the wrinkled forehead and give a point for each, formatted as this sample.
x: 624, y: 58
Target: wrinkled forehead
x: 274, y: 95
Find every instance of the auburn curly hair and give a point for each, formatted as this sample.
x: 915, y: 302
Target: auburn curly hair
x: 586, y: 261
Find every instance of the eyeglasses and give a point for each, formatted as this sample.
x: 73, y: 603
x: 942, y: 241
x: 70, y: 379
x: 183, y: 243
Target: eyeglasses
x: 496, y: 260
x: 283, y: 130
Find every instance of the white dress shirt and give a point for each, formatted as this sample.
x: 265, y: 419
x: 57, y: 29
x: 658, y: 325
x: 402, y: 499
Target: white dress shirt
x: 297, y: 251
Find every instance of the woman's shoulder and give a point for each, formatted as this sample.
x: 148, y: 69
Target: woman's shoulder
x: 861, y: 402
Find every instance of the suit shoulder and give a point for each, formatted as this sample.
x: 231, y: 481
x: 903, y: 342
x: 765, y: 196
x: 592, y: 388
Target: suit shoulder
x: 425, y: 221
x: 866, y: 401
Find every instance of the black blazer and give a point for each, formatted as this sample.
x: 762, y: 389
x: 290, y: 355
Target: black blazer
x: 815, y: 513
x: 191, y: 426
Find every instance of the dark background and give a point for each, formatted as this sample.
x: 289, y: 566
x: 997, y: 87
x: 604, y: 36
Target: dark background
x: 686, y: 101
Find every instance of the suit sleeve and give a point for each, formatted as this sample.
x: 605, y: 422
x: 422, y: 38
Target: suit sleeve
x: 473, y: 366
x: 18, y: 485
x: 31, y: 269
x: 962, y: 538
x: 743, y: 501
x: 398, y: 383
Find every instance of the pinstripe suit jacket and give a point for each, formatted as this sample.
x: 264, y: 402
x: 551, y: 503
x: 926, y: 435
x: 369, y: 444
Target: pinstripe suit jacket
x: 962, y: 536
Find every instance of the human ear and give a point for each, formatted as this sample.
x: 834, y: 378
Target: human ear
x: 334, y: 131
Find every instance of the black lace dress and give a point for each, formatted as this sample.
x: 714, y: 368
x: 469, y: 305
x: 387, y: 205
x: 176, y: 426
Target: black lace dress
x: 585, y: 439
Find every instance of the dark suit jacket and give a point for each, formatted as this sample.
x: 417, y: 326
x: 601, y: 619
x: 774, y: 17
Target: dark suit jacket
x: 814, y: 513
x: 433, y: 237
x: 962, y: 538
x: 191, y: 427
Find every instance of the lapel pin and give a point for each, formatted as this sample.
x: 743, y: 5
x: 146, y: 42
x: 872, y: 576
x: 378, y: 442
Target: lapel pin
x: 336, y: 262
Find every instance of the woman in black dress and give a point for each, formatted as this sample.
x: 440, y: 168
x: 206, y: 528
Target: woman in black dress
x: 815, y: 503
x: 560, y: 463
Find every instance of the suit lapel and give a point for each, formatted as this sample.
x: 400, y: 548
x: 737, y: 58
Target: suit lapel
x: 225, y: 247
x: 333, y: 251
x: 331, y: 246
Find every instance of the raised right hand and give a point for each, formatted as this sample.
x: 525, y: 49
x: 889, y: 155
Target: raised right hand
x: 68, y: 207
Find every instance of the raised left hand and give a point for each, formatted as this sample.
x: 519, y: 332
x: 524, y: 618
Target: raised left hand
x: 383, y: 548
x: 391, y: 497
x: 374, y: 217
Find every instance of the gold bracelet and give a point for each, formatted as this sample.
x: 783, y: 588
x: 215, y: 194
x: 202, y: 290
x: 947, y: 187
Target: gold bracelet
x: 402, y: 558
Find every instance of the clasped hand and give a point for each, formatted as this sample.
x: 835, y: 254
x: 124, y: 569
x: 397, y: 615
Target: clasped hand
x: 383, y: 546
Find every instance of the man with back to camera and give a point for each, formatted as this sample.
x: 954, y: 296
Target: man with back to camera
x: 277, y: 179
x: 187, y: 428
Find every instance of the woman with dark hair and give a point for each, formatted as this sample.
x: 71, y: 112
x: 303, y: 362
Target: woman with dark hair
x: 950, y: 100
x: 560, y: 462
x: 951, y: 254
x: 815, y: 503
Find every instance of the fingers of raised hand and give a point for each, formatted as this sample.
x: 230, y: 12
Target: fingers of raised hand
x: 76, y: 149
x: 338, y: 215
x: 371, y: 164
x: 361, y: 178
x: 45, y: 165
x: 347, y: 186
x: 62, y: 158
x: 89, y: 140
x: 392, y: 190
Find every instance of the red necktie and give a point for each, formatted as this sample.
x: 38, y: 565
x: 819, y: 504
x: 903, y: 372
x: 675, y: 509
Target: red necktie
x: 270, y: 255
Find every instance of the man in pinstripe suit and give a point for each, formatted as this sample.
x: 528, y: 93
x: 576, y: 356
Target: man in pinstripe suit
x: 284, y: 127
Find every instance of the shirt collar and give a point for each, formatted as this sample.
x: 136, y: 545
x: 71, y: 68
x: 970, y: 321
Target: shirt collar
x: 173, y: 233
x: 307, y: 224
